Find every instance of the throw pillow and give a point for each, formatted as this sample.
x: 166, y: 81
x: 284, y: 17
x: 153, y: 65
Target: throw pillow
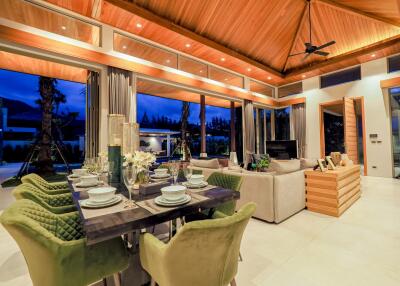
x: 210, y: 164
x: 284, y: 166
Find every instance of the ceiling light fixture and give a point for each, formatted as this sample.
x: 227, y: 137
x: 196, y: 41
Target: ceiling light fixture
x: 138, y: 25
x: 223, y: 59
x: 63, y: 27
x: 373, y: 56
x: 124, y: 47
x: 201, y: 71
x: 269, y: 78
x: 168, y: 61
x: 188, y: 45
x: 225, y: 79
x: 249, y: 69
x: 303, y: 76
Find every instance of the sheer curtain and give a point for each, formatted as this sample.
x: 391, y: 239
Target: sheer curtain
x: 120, y: 84
x: 92, y: 115
x: 249, y: 131
x: 299, y: 126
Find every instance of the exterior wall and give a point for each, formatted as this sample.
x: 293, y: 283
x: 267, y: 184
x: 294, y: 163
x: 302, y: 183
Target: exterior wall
x: 155, y: 143
x: 377, y: 113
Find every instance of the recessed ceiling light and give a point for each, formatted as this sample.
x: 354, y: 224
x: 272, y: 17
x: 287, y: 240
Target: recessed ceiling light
x: 201, y: 71
x: 223, y: 59
x: 303, y: 76
x: 188, y: 45
x: 249, y: 69
x: 225, y: 79
x: 373, y: 56
x: 138, y: 25
x: 168, y: 61
x: 269, y: 77
x: 124, y: 47
x: 63, y: 27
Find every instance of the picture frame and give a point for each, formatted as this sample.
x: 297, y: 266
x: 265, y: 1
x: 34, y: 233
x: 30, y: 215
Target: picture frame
x: 331, y: 165
x: 322, y: 165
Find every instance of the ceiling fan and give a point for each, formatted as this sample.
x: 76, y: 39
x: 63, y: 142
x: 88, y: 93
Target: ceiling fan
x: 310, y: 48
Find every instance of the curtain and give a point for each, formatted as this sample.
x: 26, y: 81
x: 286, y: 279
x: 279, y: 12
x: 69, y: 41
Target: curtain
x: 299, y: 126
x: 249, y: 131
x: 120, y: 93
x: 92, y: 115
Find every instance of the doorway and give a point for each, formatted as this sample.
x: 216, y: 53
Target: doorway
x: 395, y: 121
x: 342, y: 129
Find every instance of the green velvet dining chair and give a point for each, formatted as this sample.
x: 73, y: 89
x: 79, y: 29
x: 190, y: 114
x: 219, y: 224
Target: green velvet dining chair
x: 61, y: 203
x: 55, y: 250
x: 202, y: 253
x: 225, y: 181
x: 45, y: 186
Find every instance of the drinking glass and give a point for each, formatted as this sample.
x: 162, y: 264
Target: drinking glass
x: 174, y: 169
x: 129, y: 174
x: 188, y: 173
x: 109, y: 169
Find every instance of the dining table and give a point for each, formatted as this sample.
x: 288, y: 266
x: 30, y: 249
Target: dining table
x: 130, y: 219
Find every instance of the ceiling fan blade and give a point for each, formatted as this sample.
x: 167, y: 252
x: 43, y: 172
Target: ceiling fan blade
x: 321, y: 53
x: 326, y: 45
x: 306, y: 56
x: 297, y: 54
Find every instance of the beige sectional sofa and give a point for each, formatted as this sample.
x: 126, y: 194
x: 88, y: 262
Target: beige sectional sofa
x: 278, y: 195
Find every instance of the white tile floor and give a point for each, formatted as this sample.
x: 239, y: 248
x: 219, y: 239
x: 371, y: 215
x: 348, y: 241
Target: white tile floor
x: 360, y: 248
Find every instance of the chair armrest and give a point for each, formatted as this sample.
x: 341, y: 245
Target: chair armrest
x: 152, y: 252
x: 218, y: 214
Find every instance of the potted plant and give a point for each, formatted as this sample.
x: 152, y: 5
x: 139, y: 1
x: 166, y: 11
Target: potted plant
x: 263, y: 163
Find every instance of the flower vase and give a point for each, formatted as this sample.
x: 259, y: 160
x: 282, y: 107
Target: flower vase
x: 143, y: 177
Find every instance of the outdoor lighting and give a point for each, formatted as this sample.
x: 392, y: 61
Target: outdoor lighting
x: 131, y: 138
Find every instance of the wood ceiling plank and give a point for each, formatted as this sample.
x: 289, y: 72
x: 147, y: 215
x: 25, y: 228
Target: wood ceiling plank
x: 352, y: 10
x: 141, y: 12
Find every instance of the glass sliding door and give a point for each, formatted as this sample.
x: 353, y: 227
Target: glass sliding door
x: 282, y: 124
x: 262, y: 124
x: 395, y: 111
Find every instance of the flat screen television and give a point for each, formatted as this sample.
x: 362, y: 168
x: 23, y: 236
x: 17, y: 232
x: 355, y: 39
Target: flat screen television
x: 282, y: 149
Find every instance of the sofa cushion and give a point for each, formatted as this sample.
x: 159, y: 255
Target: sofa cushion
x: 284, y: 166
x: 306, y: 163
x: 210, y: 164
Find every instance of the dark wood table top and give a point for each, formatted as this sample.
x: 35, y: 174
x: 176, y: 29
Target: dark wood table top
x: 116, y: 224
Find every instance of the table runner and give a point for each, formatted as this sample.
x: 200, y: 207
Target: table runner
x: 152, y: 207
x: 120, y: 207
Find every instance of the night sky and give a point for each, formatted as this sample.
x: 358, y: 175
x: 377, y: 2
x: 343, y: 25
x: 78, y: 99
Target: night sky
x: 24, y: 87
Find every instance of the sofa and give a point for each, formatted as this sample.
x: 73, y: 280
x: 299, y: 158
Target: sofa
x: 279, y: 193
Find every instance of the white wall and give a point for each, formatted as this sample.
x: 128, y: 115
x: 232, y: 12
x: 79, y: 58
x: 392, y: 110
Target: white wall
x: 377, y: 113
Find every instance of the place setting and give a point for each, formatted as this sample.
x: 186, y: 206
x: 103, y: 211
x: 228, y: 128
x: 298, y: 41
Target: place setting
x: 77, y: 173
x: 160, y: 174
x: 101, y: 197
x: 88, y: 181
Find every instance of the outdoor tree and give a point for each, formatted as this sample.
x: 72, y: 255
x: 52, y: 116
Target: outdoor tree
x: 50, y: 100
x: 184, y: 125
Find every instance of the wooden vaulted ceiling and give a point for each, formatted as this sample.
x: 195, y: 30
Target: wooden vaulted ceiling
x: 255, y: 37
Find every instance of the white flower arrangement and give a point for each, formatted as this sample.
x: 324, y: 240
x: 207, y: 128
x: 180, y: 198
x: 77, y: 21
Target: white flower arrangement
x: 140, y: 160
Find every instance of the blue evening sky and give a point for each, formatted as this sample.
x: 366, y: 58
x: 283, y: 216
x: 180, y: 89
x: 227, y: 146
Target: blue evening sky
x: 24, y: 87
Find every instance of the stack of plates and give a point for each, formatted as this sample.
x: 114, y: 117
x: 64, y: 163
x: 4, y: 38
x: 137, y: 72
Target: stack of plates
x: 195, y: 186
x: 156, y: 177
x: 160, y: 200
x: 93, y: 204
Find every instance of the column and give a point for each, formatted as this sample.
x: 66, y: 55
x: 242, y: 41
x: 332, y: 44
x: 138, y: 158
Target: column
x: 168, y: 145
x: 233, y: 130
x: 203, y: 149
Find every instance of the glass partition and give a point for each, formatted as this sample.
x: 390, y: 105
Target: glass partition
x: 193, y: 67
x: 262, y: 88
x: 395, y: 110
x: 282, y: 124
x: 135, y: 48
x: 36, y: 16
x: 225, y: 77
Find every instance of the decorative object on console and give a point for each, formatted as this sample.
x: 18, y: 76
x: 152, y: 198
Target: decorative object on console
x: 331, y: 165
x: 346, y: 161
x: 262, y: 164
x: 322, y: 165
x: 336, y: 158
x: 115, y: 135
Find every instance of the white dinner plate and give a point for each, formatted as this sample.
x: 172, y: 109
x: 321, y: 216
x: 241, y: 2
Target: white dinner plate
x: 88, y: 185
x: 74, y: 176
x: 195, y: 186
x: 155, y: 176
x: 163, y: 202
x: 91, y: 204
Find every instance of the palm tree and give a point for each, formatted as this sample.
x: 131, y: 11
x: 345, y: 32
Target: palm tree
x: 50, y: 98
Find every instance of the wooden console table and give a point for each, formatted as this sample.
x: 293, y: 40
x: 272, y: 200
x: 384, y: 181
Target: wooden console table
x: 333, y: 191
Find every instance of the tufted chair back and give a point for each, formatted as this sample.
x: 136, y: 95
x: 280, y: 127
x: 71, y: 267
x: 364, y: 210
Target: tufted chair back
x: 60, y: 203
x: 227, y: 182
x: 50, y: 188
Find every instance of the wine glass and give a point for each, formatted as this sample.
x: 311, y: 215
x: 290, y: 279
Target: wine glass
x: 174, y: 169
x: 188, y: 173
x: 129, y: 175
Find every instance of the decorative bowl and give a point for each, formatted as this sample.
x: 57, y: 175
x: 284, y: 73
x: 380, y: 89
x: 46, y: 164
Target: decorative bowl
x: 101, y: 194
x: 89, y: 179
x: 196, y: 179
x: 161, y: 172
x: 173, y: 193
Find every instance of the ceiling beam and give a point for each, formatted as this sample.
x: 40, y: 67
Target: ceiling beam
x: 364, y: 14
x: 296, y: 35
x: 346, y: 56
x: 150, y: 16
